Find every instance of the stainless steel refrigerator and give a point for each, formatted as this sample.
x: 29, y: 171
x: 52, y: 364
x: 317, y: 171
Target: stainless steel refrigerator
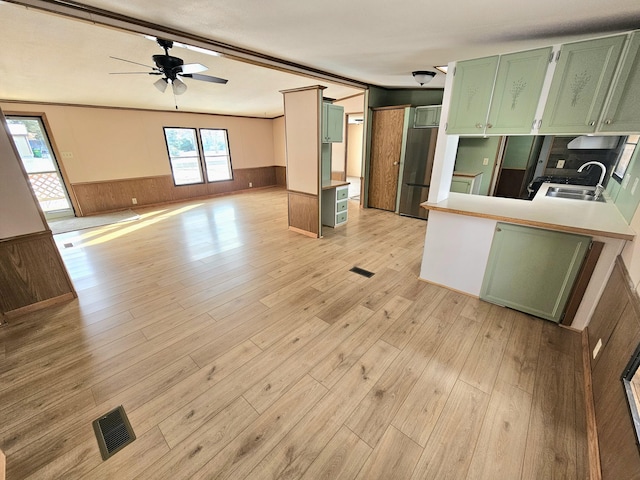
x: 416, y: 173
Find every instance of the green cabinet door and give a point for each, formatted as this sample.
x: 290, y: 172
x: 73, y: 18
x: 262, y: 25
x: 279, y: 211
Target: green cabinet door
x: 580, y: 85
x: 428, y: 116
x: 623, y: 112
x: 471, y: 95
x: 461, y: 184
x: 533, y: 270
x: 517, y: 91
x: 332, y: 121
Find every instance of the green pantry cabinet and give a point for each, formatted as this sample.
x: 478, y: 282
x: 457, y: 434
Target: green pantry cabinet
x: 533, y: 270
x: 499, y: 93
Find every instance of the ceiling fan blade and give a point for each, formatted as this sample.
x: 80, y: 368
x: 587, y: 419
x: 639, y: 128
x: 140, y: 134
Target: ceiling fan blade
x: 205, y: 78
x: 193, y: 68
x: 135, y: 73
x: 135, y: 63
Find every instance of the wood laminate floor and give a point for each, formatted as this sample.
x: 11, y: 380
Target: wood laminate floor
x: 242, y: 350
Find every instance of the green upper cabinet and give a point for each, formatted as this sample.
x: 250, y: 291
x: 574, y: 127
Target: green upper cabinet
x: 332, y: 123
x: 517, y: 91
x: 533, y: 270
x: 471, y: 95
x: 428, y: 116
x: 580, y: 85
x: 623, y: 112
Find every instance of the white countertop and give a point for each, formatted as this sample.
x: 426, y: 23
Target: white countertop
x: 577, y: 216
x: 334, y: 184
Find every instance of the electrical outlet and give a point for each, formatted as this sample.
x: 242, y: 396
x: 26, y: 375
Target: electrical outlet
x: 250, y: 184
x: 485, y: 161
x: 67, y: 155
x: 134, y: 200
x: 597, y: 348
x: 560, y: 164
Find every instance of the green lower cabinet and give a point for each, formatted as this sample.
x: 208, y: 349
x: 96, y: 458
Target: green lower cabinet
x: 533, y: 270
x: 461, y: 185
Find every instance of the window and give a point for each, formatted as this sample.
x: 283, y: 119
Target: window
x: 196, y: 154
x: 625, y: 157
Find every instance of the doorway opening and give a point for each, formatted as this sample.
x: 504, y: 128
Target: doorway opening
x: 353, y: 155
x: 39, y: 161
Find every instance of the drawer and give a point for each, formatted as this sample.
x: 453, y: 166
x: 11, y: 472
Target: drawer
x: 341, y: 217
x: 342, y: 193
x: 341, y: 206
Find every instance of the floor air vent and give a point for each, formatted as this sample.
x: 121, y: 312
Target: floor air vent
x: 113, y: 432
x: 362, y: 271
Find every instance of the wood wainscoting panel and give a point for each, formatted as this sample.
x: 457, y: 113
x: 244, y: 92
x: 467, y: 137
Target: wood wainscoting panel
x: 31, y: 272
x: 304, y: 212
x: 607, y: 312
x: 112, y: 195
x: 281, y: 175
x: 620, y: 334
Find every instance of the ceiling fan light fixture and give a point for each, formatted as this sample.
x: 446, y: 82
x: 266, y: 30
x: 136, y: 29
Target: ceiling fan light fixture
x: 423, y: 76
x: 161, y: 84
x: 179, y: 87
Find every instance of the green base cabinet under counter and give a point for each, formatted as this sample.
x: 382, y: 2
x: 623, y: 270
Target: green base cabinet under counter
x: 334, y: 206
x: 533, y: 270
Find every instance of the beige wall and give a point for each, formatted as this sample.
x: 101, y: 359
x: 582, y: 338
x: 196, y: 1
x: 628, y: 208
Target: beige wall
x: 302, y: 118
x: 279, y: 144
x: 352, y: 104
x: 354, y: 149
x: 338, y: 150
x: 19, y: 214
x: 111, y: 144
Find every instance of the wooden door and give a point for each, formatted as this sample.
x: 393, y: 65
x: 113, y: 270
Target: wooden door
x: 386, y: 146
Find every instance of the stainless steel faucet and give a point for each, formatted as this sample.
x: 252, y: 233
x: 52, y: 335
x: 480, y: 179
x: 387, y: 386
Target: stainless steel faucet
x: 599, y: 187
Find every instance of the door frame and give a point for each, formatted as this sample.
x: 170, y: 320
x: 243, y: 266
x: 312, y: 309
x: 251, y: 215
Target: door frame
x: 75, y: 205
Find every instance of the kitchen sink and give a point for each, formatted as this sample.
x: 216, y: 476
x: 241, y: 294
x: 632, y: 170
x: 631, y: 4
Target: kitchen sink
x: 579, y: 193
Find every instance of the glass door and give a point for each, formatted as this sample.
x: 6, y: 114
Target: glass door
x: 32, y: 143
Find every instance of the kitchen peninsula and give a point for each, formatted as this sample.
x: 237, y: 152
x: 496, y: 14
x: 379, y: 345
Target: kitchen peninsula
x: 461, y: 229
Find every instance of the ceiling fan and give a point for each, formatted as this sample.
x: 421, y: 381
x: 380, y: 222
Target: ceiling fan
x: 172, y: 69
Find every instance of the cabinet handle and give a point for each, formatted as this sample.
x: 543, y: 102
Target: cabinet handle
x: 489, y: 125
x: 479, y: 125
x: 539, y: 123
x: 395, y: 163
x: 533, y: 125
x: 608, y: 121
x: 591, y: 124
x: 498, y: 229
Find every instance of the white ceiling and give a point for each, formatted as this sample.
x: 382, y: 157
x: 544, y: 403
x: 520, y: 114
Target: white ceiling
x: 50, y: 58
